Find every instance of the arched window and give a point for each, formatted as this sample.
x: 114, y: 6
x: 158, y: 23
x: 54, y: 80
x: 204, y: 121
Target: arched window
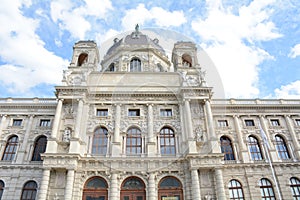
x: 29, y: 191
x: 226, y: 148
x: 281, y: 148
x: 186, y: 60
x: 135, y: 65
x: 254, y: 148
x: 235, y: 190
x: 39, y: 147
x: 133, y: 141
x: 295, y: 187
x: 266, y: 189
x: 10, y: 148
x: 1, y: 188
x: 170, y: 187
x: 111, y: 68
x: 133, y: 188
x: 167, y: 141
x: 100, y: 141
x: 82, y: 59
x: 95, y: 188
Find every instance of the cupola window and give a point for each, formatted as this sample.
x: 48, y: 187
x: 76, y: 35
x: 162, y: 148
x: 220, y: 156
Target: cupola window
x: 135, y: 65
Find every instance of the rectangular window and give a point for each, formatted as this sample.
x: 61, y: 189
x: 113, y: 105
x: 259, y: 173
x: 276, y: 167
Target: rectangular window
x: 297, y: 122
x: 249, y: 122
x: 134, y: 112
x: 275, y: 122
x: 45, y: 122
x: 17, y: 122
x: 165, y: 112
x: 102, y: 112
x: 222, y: 123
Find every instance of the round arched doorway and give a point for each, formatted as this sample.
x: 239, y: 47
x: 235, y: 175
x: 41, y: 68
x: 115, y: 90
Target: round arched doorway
x: 170, y: 188
x: 133, y: 188
x: 95, y: 189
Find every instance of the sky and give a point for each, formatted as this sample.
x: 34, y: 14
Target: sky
x: 254, y: 44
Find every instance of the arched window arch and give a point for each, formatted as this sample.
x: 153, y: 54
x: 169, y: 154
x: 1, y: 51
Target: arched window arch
x: 83, y: 58
x: 133, y: 188
x: 10, y: 148
x: 29, y: 191
x: 95, y: 188
x: 235, y: 190
x: 39, y: 147
x: 295, y: 187
x: 167, y: 141
x: 226, y: 148
x: 100, y: 141
x: 135, y: 65
x: 170, y: 187
x: 134, y: 141
x: 186, y: 60
x: 2, y: 185
x: 254, y: 148
x: 266, y: 189
x: 281, y: 148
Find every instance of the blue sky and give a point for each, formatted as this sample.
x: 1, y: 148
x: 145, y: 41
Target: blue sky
x: 255, y: 45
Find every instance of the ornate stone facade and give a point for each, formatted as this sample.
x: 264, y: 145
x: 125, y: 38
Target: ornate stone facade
x: 135, y: 129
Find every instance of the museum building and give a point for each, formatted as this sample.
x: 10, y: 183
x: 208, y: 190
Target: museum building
x: 138, y: 125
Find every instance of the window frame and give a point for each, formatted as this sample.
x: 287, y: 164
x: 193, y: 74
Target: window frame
x: 45, y: 123
x: 281, y: 148
x: 166, y: 112
x: 135, y: 65
x: 266, y: 189
x: 134, y: 141
x: 297, y: 122
x: 40, y: 146
x: 11, y: 148
x: 249, y: 122
x: 131, y: 112
x: 295, y: 187
x: 2, y: 186
x: 102, y: 112
x: 254, y: 145
x: 32, y: 191
x: 227, y: 148
x: 275, y: 122
x: 235, y: 190
x: 222, y: 123
x: 167, y: 141
x: 100, y: 141
x: 17, y: 122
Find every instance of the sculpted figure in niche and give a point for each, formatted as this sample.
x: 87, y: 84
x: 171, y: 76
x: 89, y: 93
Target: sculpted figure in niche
x: 67, y: 135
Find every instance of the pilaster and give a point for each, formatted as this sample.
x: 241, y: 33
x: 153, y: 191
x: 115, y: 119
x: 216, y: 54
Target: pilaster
x: 151, y: 150
x: 293, y: 136
x: 116, y: 145
x: 242, y: 146
x: 42, y: 195
x: 69, y: 184
x: 189, y: 127
x: 214, y: 145
x: 75, y: 141
x: 220, y: 191
x: 195, y: 185
x: 114, y: 187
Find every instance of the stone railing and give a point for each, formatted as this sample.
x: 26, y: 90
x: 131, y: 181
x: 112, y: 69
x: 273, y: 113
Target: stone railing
x: 255, y: 101
x: 28, y: 100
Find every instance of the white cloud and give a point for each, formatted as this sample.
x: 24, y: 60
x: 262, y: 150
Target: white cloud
x: 161, y: 17
x: 224, y: 35
x: 74, y: 19
x: 295, y: 51
x: 290, y: 91
x: 28, y: 62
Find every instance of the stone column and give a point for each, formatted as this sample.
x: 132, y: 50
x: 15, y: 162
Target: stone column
x: 293, y: 136
x: 214, y: 145
x: 151, y: 150
x: 44, y: 185
x: 52, y: 143
x: 3, y: 120
x: 220, y: 184
x: 69, y: 184
x: 189, y: 127
x: 273, y: 153
x: 242, y: 146
x: 151, y: 188
x: 116, y: 145
x: 114, y: 186
x: 22, y: 150
x: 195, y: 185
x: 74, y: 142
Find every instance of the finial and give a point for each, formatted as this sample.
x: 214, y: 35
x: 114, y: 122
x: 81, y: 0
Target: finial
x: 137, y: 28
